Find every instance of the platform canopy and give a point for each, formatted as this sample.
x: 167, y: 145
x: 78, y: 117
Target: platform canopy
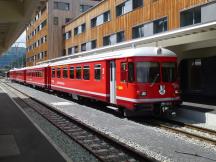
x: 15, y: 15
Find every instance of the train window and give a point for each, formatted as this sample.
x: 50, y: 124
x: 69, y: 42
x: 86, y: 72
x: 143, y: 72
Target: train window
x: 148, y: 72
x: 78, y: 72
x: 169, y: 72
x: 53, y: 72
x: 59, y: 73
x: 97, y: 72
x: 130, y: 72
x: 123, y: 72
x: 86, y: 73
x: 72, y: 72
x: 65, y: 72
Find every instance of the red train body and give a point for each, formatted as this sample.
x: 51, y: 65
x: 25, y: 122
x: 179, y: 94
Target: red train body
x: 18, y: 75
x: 134, y: 79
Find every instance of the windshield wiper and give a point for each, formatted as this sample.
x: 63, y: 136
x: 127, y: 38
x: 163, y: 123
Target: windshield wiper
x: 155, y: 79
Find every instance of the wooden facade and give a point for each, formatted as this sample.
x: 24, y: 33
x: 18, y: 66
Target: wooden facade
x: 55, y: 18
x: 150, y: 10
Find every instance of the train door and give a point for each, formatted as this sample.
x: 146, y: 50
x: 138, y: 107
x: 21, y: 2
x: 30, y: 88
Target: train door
x: 47, y: 77
x: 112, y: 82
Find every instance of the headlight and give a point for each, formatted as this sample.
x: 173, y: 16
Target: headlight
x: 177, y: 91
x: 143, y: 93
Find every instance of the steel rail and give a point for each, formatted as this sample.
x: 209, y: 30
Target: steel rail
x: 165, y: 123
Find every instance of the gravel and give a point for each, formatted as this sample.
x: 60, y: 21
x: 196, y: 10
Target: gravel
x: 73, y: 150
x: 158, y: 143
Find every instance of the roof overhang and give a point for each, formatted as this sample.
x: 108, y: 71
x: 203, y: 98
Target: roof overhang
x: 184, y: 39
x: 15, y: 15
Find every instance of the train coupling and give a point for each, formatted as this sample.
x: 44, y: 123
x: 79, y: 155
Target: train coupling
x: 167, y: 109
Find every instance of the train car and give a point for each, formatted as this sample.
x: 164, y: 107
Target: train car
x: 134, y: 79
x: 12, y: 75
x: 38, y: 76
x: 18, y: 75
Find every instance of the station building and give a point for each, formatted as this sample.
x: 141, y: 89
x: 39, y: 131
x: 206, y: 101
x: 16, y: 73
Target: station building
x: 44, y: 33
x: 188, y: 27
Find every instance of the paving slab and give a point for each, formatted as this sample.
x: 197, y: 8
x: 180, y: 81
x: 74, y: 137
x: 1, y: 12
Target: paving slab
x: 20, y: 141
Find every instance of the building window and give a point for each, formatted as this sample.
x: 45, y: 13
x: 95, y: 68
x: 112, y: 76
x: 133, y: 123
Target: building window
x: 83, y: 28
x: 138, y: 31
x: 113, y: 39
x: 70, y: 51
x: 128, y: 6
x: 64, y: 52
x: 83, y: 47
x: 76, y: 31
x: 67, y: 35
x: 106, y: 16
x: 101, y: 19
x: 65, y: 72
x: 78, y: 72
x: 55, y: 20
x: 86, y: 73
x: 67, y: 20
x: 94, y: 22
x: 190, y: 17
x: 76, y: 49
x: 137, y: 3
x: 71, y: 72
x: 93, y: 44
x: 43, y: 24
x: 97, y: 72
x: 61, y: 6
x: 106, y: 41
x: 120, y: 36
x: 59, y: 73
x: 80, y: 29
x: 84, y: 8
x: 45, y: 53
x: 160, y: 25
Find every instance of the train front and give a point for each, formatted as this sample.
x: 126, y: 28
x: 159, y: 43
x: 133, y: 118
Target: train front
x: 156, y: 85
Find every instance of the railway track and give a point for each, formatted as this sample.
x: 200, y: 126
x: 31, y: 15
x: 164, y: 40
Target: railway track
x: 102, y: 146
x: 192, y: 131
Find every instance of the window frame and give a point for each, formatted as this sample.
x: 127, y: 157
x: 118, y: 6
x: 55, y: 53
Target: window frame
x: 72, y: 67
x: 80, y: 75
x: 63, y: 72
x: 58, y: 72
x: 96, y: 68
x: 163, y: 19
x: 86, y: 67
x: 193, y: 16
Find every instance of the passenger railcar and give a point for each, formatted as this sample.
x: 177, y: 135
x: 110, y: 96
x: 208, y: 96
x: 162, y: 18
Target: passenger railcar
x: 136, y: 79
x: 18, y: 75
x: 133, y: 79
x: 38, y: 76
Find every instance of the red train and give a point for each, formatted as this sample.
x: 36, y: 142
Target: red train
x: 133, y: 79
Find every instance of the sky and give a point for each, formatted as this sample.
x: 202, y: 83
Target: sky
x: 22, y: 39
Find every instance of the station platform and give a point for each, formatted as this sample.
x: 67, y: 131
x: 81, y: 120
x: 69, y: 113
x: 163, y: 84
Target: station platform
x: 155, y: 142
x: 197, y: 113
x: 20, y: 140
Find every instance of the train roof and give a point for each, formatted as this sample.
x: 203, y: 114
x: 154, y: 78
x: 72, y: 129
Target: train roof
x: 37, y: 66
x: 30, y: 67
x: 133, y: 52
